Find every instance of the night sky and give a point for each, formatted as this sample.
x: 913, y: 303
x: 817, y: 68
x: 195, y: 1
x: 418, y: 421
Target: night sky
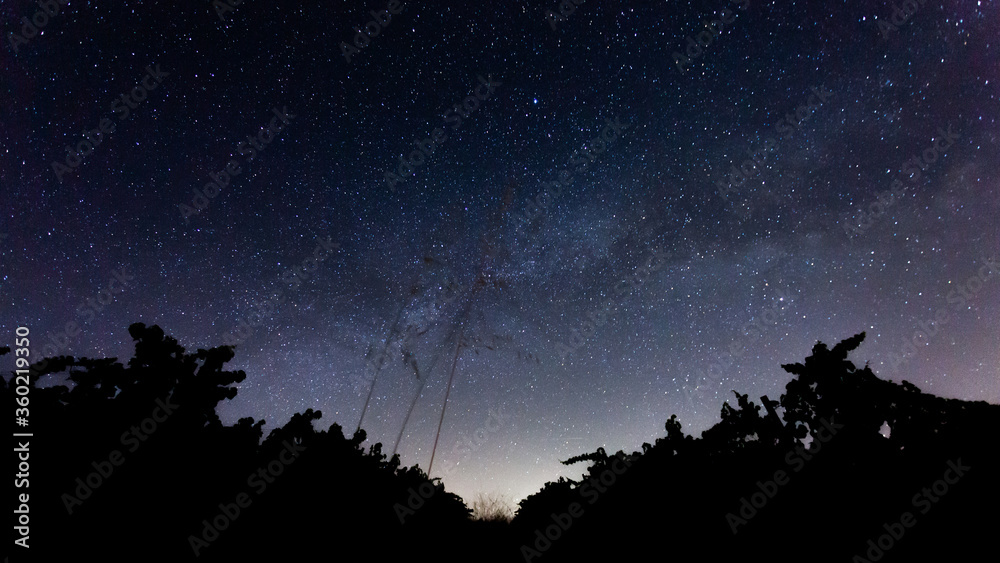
x: 648, y: 277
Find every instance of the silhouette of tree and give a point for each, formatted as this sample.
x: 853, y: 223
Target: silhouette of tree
x: 310, y: 491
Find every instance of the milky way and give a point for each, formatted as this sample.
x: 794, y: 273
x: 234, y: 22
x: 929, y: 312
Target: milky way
x: 613, y: 212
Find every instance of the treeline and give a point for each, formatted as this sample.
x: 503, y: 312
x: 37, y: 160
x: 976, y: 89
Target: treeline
x: 131, y: 461
x: 750, y: 487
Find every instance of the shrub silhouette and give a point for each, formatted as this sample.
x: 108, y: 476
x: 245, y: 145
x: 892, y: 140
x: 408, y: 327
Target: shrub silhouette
x: 676, y: 496
x: 106, y: 480
x: 492, y: 508
x: 334, y: 496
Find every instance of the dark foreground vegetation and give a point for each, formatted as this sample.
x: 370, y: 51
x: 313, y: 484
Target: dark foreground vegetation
x: 132, y: 464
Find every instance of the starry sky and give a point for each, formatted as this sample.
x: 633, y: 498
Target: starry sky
x: 647, y: 276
